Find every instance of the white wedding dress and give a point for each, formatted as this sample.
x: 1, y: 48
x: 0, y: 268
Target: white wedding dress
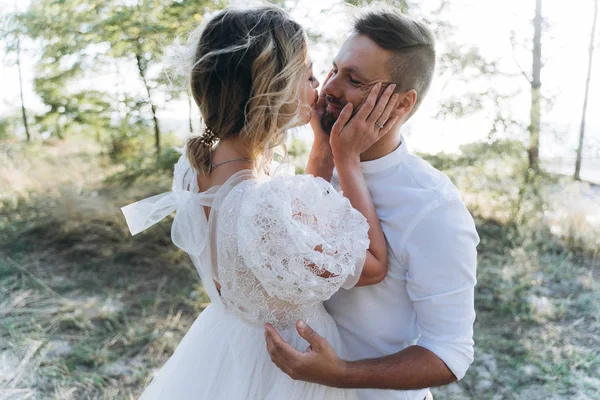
x: 265, y: 242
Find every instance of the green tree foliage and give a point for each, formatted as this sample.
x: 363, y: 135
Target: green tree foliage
x: 7, y: 127
x: 140, y: 31
x: 85, y: 40
x: 403, y: 5
x: 64, y: 32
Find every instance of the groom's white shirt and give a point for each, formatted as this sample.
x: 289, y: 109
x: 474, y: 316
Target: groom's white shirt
x: 427, y: 297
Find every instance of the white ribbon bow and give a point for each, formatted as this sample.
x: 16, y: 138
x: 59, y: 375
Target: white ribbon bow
x: 190, y: 227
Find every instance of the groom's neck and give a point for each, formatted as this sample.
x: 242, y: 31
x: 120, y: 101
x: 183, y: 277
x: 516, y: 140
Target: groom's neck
x: 383, y: 147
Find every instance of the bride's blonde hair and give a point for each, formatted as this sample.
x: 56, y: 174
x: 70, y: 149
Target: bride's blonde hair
x: 244, y: 69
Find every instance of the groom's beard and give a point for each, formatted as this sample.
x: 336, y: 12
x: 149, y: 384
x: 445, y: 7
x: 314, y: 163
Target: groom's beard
x: 329, y: 119
x: 327, y: 122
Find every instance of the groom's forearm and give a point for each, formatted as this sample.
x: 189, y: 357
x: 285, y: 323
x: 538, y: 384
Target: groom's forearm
x: 412, y: 368
x: 320, y: 160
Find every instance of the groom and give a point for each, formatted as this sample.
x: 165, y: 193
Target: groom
x: 414, y: 329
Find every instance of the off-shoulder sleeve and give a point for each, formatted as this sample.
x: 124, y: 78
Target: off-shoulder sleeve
x: 301, y: 238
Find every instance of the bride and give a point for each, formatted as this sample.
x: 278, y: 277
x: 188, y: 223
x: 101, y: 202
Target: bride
x: 268, y: 249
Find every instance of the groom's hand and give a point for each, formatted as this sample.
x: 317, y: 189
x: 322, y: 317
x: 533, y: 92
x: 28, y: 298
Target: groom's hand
x: 318, y: 363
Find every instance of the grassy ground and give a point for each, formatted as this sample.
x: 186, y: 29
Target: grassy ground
x: 87, y: 312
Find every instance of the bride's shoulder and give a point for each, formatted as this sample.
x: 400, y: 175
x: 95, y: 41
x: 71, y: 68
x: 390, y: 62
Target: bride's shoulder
x: 292, y: 184
x: 285, y: 193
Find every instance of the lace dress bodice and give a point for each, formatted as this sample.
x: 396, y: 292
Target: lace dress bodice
x: 278, y: 247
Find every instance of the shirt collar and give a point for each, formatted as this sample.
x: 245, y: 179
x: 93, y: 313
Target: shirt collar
x: 392, y: 159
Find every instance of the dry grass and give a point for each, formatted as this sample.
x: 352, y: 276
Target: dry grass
x: 48, y: 167
x: 86, y: 311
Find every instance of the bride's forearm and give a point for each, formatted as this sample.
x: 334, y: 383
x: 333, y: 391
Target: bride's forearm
x: 320, y: 160
x: 354, y: 187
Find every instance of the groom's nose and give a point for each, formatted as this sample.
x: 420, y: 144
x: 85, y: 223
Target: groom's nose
x: 332, y: 87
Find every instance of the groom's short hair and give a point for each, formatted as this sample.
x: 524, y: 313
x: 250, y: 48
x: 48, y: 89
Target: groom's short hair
x: 411, y: 42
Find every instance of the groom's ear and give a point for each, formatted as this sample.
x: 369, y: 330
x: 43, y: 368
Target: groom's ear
x: 405, y: 104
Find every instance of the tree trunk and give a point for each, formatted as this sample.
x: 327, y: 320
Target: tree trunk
x: 536, y: 84
x: 142, y: 71
x: 59, y: 132
x: 23, y: 111
x: 587, y: 90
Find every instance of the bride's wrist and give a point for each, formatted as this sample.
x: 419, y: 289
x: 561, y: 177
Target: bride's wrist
x: 321, y: 148
x: 346, y: 161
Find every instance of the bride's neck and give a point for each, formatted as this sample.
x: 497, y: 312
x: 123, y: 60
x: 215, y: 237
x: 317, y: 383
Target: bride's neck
x: 226, y: 150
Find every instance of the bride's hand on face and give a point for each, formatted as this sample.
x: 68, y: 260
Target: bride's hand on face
x: 352, y: 135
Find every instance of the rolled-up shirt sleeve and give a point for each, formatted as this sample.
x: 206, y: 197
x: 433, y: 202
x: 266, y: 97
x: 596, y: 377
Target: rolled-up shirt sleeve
x: 441, y: 259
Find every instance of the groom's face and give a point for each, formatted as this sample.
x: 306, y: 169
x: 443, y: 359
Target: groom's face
x: 359, y: 65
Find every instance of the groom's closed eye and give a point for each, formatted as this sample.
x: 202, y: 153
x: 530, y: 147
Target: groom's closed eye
x: 367, y: 86
x: 353, y: 76
x: 353, y: 81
